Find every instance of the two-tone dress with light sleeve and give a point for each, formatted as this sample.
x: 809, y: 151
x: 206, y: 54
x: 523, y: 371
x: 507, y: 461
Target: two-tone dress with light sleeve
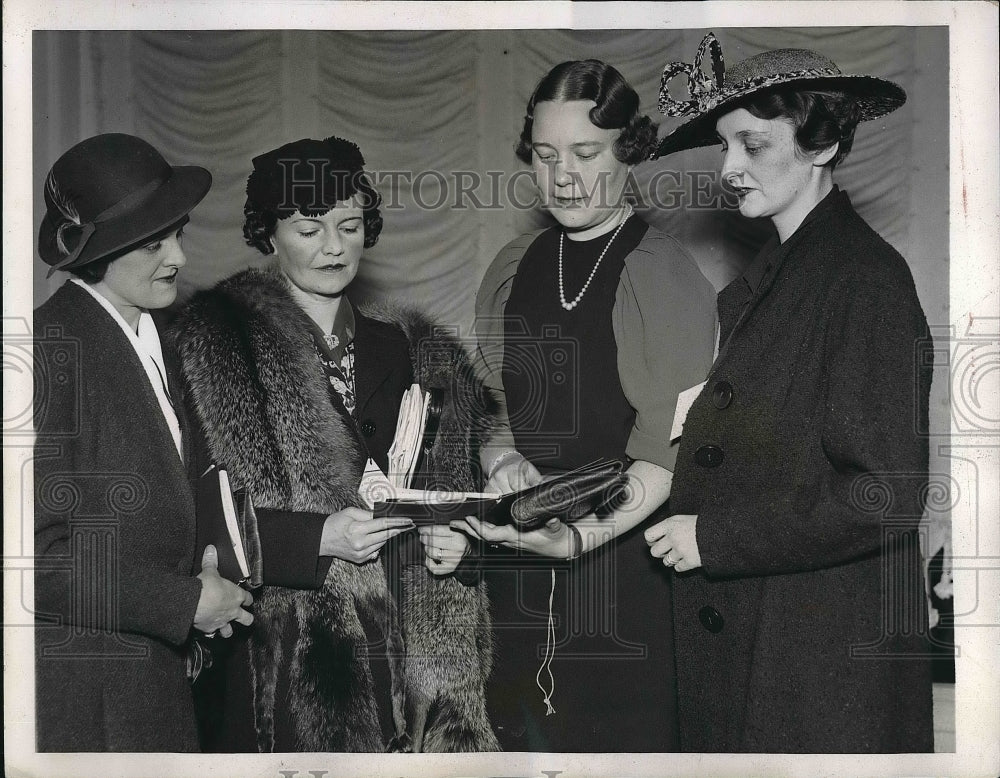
x: 600, y: 380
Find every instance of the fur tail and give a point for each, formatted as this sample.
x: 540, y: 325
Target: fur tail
x: 451, y: 728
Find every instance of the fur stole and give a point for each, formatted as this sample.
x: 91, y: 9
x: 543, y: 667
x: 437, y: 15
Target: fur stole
x: 252, y: 377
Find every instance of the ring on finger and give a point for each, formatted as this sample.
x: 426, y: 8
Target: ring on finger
x: 669, y: 561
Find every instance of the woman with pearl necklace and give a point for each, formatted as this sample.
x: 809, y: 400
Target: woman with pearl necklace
x: 588, y: 331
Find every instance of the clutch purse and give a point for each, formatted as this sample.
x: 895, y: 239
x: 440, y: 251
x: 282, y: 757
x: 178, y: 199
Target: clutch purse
x: 568, y: 497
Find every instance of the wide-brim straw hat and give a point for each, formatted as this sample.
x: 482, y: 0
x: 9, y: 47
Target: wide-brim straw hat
x: 109, y: 194
x: 712, y: 95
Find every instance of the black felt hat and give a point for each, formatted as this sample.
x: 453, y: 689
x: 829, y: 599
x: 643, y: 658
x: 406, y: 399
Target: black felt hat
x: 110, y: 193
x: 307, y: 175
x: 712, y: 95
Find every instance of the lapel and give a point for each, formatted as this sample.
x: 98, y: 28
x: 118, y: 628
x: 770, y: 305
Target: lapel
x: 137, y: 397
x: 170, y: 361
x: 779, y: 253
x: 370, y: 370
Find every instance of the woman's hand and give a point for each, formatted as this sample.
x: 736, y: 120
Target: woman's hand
x: 553, y: 539
x: 675, y: 542
x: 444, y: 548
x: 512, y: 474
x: 221, y: 600
x: 352, y: 534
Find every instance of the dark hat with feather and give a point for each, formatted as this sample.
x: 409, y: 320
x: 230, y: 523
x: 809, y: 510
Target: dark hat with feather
x: 108, y: 195
x: 712, y: 95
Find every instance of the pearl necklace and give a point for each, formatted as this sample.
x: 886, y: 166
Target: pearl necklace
x: 569, y: 306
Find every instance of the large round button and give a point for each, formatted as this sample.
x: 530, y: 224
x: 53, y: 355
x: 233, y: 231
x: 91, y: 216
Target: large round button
x: 711, y: 619
x: 709, y: 456
x: 722, y: 394
x: 368, y: 428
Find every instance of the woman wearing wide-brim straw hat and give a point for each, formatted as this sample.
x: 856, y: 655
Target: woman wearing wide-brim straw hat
x: 799, y: 611
x: 114, y: 512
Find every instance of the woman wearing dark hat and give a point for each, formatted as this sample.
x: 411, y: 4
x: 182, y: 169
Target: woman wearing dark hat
x: 799, y: 605
x: 296, y: 387
x: 114, y: 512
x: 589, y: 330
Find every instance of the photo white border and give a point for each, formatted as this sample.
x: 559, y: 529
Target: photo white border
x: 974, y: 303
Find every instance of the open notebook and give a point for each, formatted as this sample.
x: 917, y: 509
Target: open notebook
x: 568, y: 496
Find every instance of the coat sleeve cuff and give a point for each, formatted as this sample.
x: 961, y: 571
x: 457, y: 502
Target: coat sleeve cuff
x: 289, y: 545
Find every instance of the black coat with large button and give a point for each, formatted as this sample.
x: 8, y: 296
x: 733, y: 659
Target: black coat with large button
x: 805, y: 629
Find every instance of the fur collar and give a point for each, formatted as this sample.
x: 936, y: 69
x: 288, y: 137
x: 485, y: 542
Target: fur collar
x: 251, y: 376
x: 248, y: 358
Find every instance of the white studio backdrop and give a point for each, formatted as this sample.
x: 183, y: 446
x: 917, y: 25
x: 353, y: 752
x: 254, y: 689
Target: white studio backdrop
x: 431, y: 110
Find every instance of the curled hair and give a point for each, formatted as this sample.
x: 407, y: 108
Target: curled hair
x: 259, y: 223
x: 820, y: 118
x: 310, y: 177
x: 617, y: 107
x: 92, y: 272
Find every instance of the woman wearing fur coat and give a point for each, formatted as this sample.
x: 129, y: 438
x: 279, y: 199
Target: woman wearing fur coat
x: 296, y: 390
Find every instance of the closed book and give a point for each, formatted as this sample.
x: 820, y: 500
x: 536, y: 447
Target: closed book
x: 568, y: 497
x: 218, y: 513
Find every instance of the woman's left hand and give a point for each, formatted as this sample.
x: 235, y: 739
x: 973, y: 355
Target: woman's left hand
x: 675, y: 542
x: 552, y: 539
x: 444, y: 548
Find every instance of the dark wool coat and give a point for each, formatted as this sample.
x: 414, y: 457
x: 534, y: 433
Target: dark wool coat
x: 805, y: 629
x: 114, y: 542
x: 268, y: 414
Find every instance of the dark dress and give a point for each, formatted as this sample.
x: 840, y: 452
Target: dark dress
x: 806, y: 628
x: 613, y: 666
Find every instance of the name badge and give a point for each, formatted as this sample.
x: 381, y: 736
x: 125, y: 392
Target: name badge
x: 684, y: 402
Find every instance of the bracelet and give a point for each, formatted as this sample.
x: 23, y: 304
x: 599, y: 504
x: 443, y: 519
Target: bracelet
x: 577, y: 542
x: 498, y: 460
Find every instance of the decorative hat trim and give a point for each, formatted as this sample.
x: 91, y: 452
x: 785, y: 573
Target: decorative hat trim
x: 708, y: 93
x: 702, y: 88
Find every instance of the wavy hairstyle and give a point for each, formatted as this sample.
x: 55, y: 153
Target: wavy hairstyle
x: 617, y: 107
x: 310, y: 177
x: 820, y: 118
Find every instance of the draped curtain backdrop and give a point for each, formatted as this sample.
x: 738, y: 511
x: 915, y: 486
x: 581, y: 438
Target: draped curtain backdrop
x: 435, y: 111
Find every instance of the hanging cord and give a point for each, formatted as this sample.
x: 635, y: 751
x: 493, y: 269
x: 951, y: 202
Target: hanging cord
x: 550, y: 652
x: 576, y: 550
